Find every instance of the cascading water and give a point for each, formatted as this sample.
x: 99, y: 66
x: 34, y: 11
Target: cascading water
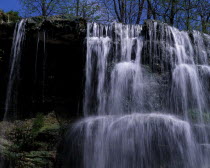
x: 10, y: 102
x: 44, y: 67
x: 18, y: 38
x: 139, y: 140
x: 126, y: 67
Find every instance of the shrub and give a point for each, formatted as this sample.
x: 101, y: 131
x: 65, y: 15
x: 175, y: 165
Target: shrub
x: 38, y: 123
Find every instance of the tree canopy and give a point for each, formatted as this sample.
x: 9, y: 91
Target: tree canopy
x: 11, y: 16
x: 41, y: 7
x: 187, y: 15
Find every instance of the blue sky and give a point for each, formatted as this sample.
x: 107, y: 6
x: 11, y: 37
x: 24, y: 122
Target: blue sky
x: 8, y: 5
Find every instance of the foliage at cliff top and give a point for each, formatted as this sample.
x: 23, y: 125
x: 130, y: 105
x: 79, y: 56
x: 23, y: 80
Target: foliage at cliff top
x: 87, y: 9
x: 8, y: 17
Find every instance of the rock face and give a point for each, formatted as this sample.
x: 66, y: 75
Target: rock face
x: 6, y: 35
x: 59, y: 67
x: 51, y: 68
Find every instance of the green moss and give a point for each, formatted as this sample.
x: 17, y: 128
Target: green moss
x: 50, y: 127
x: 195, y: 115
x: 38, y: 123
x: 13, y: 16
x: 31, y: 143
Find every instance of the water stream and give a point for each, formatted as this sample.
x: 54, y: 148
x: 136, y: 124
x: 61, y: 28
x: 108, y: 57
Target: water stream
x: 14, y: 68
x: 145, y: 95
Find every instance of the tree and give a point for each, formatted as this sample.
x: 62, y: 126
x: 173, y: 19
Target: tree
x: 203, y: 11
x: 13, y: 16
x: 125, y: 11
x: 151, y: 10
x: 166, y: 10
x: 187, y: 14
x: 3, y: 17
x: 87, y: 9
x: 194, y: 14
x: 77, y: 7
x: 41, y: 7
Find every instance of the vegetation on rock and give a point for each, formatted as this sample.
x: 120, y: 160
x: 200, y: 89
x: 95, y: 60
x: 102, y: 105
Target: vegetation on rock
x: 11, y: 16
x: 31, y: 143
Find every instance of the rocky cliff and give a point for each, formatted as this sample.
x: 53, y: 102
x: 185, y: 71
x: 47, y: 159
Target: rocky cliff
x: 51, y: 68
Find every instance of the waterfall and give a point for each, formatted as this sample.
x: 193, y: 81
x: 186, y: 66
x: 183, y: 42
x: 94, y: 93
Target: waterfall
x: 18, y: 39
x: 10, y: 102
x: 138, y: 140
x: 146, y: 98
x: 126, y: 76
x: 44, y: 68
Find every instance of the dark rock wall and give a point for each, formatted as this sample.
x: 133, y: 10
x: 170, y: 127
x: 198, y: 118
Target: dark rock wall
x: 51, y: 69
x: 6, y: 36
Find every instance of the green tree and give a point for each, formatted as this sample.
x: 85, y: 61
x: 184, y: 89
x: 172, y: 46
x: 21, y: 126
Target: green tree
x: 13, y: 16
x: 3, y: 17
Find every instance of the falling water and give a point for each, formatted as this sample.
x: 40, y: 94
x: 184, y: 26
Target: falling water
x: 18, y: 38
x: 138, y: 140
x: 133, y: 71
x: 126, y: 76
x: 44, y: 68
